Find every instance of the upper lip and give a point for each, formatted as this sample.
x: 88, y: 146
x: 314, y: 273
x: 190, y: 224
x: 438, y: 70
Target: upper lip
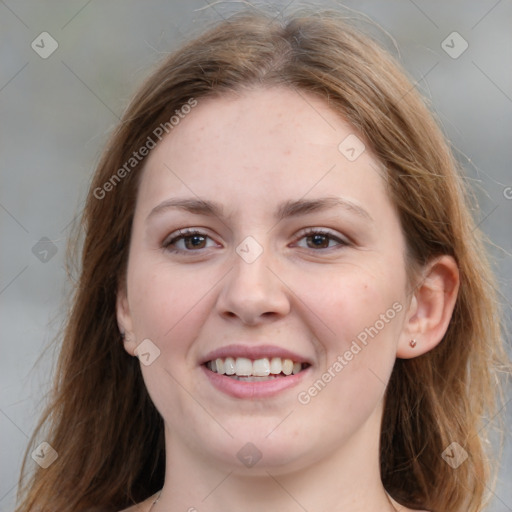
x: 254, y: 352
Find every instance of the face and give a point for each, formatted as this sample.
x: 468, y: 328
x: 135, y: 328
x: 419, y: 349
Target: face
x: 302, y: 259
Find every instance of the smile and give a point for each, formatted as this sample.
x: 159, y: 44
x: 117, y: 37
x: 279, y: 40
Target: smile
x: 248, y: 370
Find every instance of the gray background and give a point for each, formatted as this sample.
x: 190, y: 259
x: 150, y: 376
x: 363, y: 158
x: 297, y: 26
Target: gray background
x: 56, y: 113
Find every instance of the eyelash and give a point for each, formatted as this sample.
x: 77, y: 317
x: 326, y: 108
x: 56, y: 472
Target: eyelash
x: 189, y: 233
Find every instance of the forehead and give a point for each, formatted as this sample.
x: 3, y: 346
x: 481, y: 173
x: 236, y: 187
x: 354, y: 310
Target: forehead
x: 260, y: 144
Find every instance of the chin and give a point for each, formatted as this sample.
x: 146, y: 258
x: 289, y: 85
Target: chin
x: 252, y: 451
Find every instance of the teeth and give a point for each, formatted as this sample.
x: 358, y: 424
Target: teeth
x: 254, y: 379
x: 275, y: 365
x: 261, y: 367
x: 229, y: 366
x: 287, y: 366
x: 246, y: 368
x: 243, y: 366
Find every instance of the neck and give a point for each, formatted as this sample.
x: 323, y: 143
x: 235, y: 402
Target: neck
x: 348, y: 479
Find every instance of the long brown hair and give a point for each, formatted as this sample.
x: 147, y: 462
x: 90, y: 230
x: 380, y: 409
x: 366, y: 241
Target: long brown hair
x: 101, y: 421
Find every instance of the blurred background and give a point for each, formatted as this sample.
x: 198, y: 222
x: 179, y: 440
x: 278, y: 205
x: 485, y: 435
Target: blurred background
x: 67, y: 71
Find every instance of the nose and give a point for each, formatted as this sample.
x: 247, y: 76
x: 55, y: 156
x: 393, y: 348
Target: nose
x: 253, y: 291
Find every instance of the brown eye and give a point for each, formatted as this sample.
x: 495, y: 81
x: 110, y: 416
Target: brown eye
x: 191, y: 241
x: 194, y: 241
x: 320, y: 239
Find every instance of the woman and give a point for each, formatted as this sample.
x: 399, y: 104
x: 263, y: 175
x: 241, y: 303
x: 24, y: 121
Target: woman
x: 284, y: 302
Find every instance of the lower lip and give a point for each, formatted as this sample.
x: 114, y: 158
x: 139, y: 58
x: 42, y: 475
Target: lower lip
x: 263, y: 389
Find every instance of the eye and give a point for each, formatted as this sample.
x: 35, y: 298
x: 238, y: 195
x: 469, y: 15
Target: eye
x: 321, y: 238
x: 194, y: 240
x: 191, y: 238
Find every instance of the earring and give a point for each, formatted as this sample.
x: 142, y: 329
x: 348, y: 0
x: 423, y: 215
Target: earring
x: 412, y: 343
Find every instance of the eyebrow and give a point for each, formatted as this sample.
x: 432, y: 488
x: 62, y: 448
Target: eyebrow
x: 290, y: 208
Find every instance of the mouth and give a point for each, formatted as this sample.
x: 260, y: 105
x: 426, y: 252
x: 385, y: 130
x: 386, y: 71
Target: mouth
x: 257, y: 370
x: 254, y: 371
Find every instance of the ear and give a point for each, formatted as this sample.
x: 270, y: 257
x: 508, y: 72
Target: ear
x: 431, y: 308
x: 124, y: 320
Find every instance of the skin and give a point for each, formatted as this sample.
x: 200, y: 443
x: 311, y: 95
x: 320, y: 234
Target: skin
x: 251, y: 151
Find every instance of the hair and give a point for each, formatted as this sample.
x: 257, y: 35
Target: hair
x: 101, y: 421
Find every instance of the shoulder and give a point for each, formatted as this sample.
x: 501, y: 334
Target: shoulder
x: 143, y: 506
x: 402, y: 508
x: 139, y: 507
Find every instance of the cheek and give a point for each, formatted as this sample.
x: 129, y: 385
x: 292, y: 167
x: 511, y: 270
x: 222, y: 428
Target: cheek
x: 350, y: 300
x: 364, y: 312
x: 167, y: 304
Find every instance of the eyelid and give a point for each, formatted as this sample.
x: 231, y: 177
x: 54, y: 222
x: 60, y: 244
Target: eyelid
x: 342, y: 239
x: 183, y: 232
x: 180, y: 234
